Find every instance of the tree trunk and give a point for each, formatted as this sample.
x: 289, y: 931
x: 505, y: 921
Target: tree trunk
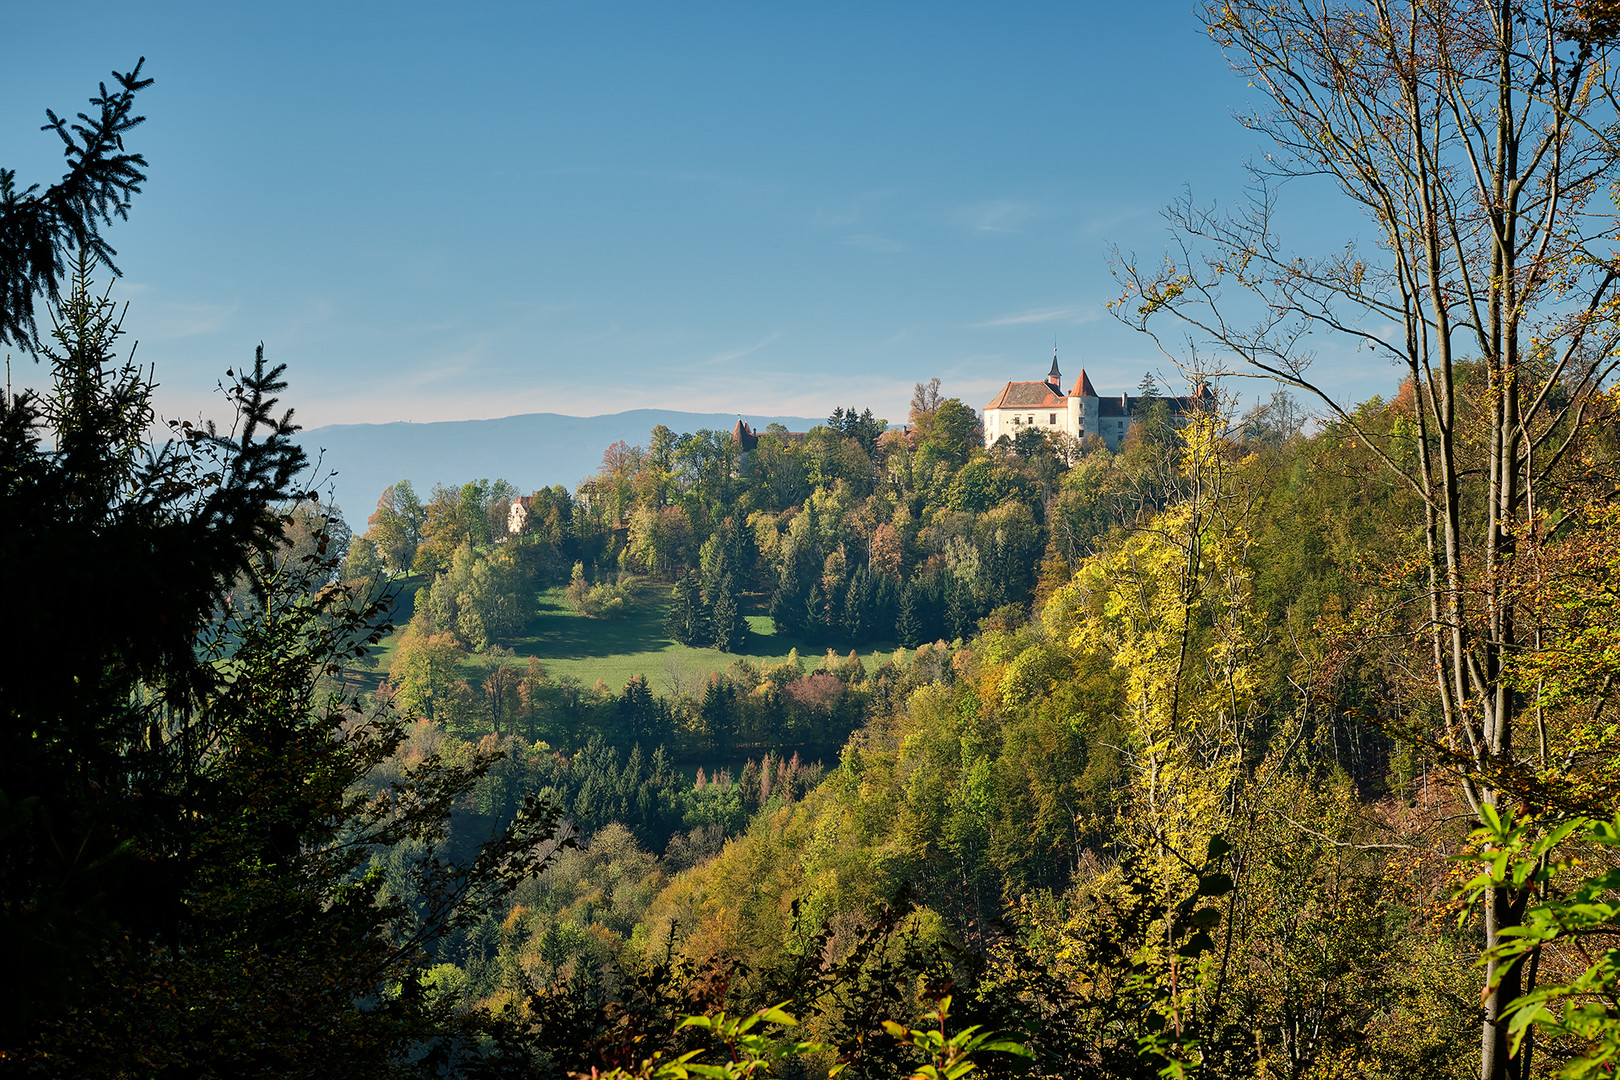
x: 1476, y: 136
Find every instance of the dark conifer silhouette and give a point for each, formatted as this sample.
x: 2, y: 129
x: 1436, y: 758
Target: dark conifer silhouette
x: 39, y: 231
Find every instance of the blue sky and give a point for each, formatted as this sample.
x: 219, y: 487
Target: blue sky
x: 460, y: 211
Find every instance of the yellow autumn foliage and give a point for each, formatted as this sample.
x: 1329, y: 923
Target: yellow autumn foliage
x: 1171, y: 604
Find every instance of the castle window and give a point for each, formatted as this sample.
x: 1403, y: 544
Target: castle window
x: 1017, y: 420
x: 1032, y: 419
x: 1052, y: 419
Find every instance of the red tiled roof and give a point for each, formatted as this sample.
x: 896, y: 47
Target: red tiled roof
x: 1025, y: 395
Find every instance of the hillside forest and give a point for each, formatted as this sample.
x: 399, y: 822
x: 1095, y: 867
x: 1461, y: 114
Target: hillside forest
x: 1116, y: 678
x: 1279, y: 741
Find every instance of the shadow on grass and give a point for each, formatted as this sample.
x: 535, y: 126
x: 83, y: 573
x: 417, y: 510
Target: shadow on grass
x: 557, y: 631
x: 637, y: 644
x: 765, y: 644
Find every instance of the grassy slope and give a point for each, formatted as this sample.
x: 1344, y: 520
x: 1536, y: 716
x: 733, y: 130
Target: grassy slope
x: 613, y: 650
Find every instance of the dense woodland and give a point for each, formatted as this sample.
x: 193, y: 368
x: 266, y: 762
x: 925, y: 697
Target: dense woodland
x: 1280, y: 742
x: 1197, y: 637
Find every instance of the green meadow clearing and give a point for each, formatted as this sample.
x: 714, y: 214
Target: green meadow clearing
x: 570, y: 645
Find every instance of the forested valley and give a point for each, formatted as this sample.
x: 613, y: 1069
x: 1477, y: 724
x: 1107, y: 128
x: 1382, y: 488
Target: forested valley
x: 1280, y: 741
x: 1165, y: 692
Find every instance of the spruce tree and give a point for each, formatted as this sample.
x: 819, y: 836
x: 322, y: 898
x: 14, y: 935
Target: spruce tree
x: 688, y: 619
x: 730, y: 628
x: 814, y: 615
x: 185, y: 855
x: 718, y: 712
x: 959, y: 613
x: 39, y: 229
x: 907, y: 627
x: 857, y: 623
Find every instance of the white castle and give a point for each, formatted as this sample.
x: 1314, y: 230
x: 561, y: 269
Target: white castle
x: 1081, y: 412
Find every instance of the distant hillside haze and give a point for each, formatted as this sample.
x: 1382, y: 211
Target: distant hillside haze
x: 533, y: 450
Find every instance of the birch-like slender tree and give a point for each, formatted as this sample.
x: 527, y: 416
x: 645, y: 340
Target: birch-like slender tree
x: 1477, y: 139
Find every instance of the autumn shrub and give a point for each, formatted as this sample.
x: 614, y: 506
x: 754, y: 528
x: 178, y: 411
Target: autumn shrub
x: 604, y: 600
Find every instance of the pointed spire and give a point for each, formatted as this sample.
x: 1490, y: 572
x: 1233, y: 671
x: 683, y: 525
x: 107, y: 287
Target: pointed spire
x: 1083, y: 387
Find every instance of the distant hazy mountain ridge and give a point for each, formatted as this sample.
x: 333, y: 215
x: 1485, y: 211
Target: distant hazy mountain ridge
x: 533, y: 450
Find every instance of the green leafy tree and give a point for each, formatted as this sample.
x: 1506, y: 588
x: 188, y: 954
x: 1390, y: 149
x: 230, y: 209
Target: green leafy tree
x: 424, y: 673
x: 658, y: 539
x: 483, y: 595
x: 395, y: 527
x: 1567, y: 905
x: 471, y: 509
x: 444, y: 528
x: 951, y: 433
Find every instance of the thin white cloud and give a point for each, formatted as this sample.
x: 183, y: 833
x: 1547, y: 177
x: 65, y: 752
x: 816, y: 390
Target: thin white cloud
x: 449, y: 369
x: 835, y: 217
x: 881, y: 245
x: 848, y: 213
x: 1103, y: 224
x: 999, y: 216
x: 171, y: 321
x: 593, y: 337
x: 711, y: 179
x: 1074, y: 315
x: 738, y: 354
